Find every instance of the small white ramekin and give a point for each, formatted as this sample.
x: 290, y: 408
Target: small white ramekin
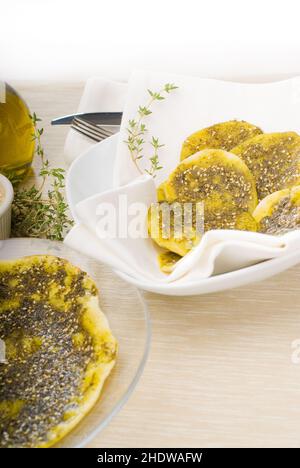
x: 5, y: 208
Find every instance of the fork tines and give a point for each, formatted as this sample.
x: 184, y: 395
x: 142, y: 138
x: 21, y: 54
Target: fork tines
x: 90, y: 129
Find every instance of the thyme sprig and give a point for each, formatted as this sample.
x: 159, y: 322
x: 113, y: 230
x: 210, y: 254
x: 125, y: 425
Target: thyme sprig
x: 37, y: 211
x: 137, y: 129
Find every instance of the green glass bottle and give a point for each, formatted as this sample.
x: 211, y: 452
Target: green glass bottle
x: 16, y: 130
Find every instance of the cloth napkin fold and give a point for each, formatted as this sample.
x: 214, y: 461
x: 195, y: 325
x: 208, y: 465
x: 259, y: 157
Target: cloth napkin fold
x: 196, y: 104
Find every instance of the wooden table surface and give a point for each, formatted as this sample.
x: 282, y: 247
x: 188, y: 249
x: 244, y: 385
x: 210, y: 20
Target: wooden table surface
x: 221, y: 371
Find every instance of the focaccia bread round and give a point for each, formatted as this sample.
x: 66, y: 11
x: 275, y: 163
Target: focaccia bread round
x: 224, y: 135
x: 225, y: 186
x: 59, y: 349
x: 168, y: 260
x: 273, y: 159
x: 279, y: 212
x: 162, y: 230
x: 218, y: 178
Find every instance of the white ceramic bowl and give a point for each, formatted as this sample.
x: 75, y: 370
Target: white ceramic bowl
x: 5, y: 208
x: 92, y: 173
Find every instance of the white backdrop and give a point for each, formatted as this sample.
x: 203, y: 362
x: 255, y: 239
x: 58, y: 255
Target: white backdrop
x: 71, y: 39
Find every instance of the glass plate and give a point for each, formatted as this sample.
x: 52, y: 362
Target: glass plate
x: 128, y: 318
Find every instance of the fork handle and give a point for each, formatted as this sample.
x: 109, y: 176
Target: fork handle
x: 111, y: 119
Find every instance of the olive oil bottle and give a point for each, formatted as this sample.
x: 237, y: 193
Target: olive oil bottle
x: 16, y: 130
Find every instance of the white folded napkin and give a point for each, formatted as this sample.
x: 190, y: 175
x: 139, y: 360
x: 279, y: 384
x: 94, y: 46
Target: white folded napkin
x: 195, y: 104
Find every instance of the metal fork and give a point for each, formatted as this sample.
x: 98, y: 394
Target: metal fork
x: 91, y: 130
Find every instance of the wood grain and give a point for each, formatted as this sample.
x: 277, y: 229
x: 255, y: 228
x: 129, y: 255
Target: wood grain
x: 220, y: 372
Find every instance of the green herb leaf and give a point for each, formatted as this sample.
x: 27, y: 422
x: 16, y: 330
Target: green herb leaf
x: 36, y: 214
x: 137, y: 128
